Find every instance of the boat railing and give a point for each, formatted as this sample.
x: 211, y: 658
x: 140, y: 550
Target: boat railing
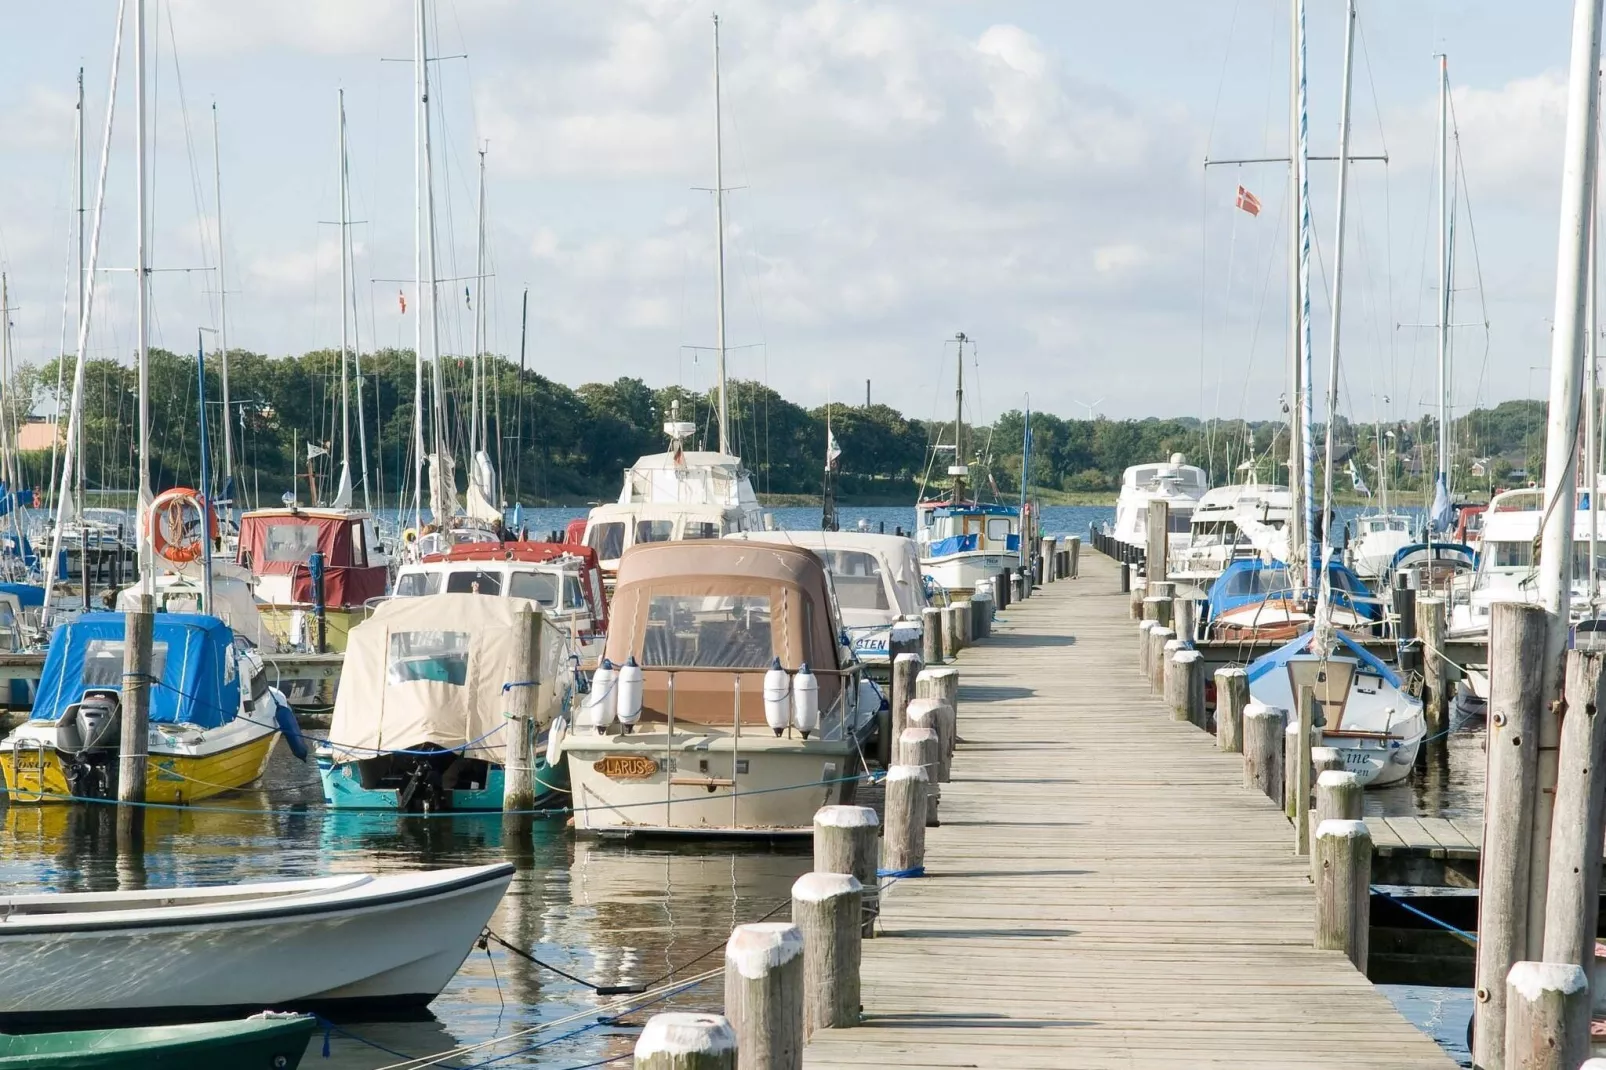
x: 832, y: 719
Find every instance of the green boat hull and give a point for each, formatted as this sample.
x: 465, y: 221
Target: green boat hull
x: 251, y: 1044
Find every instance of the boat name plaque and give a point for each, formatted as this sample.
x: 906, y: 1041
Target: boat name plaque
x: 626, y: 767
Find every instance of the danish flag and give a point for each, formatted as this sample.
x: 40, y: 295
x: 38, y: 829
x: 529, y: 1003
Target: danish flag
x: 1248, y: 201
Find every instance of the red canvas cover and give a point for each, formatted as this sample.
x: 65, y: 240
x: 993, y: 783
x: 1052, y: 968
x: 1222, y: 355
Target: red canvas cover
x: 342, y: 587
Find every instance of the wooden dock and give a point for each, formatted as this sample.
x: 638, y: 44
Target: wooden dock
x: 1103, y: 891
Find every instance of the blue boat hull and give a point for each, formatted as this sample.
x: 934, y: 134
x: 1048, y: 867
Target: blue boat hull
x: 343, y: 790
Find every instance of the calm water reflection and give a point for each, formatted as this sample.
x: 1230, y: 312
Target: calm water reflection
x: 605, y: 912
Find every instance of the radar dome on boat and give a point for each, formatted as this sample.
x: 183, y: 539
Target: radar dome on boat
x: 1179, y: 458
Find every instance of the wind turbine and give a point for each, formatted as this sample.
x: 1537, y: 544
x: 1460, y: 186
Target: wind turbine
x: 1089, y: 406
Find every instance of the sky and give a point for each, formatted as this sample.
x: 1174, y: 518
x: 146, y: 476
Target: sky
x: 1030, y: 172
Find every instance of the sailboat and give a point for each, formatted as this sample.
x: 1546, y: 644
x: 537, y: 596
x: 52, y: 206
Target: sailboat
x: 214, y: 719
x: 962, y: 541
x: 683, y: 493
x: 1362, y: 707
x: 316, y: 567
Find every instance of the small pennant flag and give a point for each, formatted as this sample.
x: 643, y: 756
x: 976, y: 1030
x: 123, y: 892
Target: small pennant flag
x: 1248, y: 201
x: 314, y: 452
x: 1357, y: 481
x: 402, y: 297
x: 832, y: 450
x: 468, y: 301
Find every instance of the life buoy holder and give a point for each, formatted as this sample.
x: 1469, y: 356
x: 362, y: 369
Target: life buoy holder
x: 410, y: 536
x: 172, y: 539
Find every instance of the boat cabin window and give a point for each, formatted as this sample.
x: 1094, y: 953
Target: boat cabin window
x: 540, y: 586
x: 708, y: 631
x: 433, y: 657
x: 413, y: 584
x: 654, y: 531
x: 359, y: 546
x: 103, y: 662
x: 473, y: 582
x: 1178, y: 521
x: 10, y: 626
x: 574, y: 596
x: 998, y: 529
x: 608, y: 540
x: 289, y: 542
x: 699, y: 529
x: 857, y: 577
x: 1257, y: 582
x: 1516, y: 554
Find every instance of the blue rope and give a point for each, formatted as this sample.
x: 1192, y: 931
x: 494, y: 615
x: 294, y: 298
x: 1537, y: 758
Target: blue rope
x: 1398, y: 901
x: 899, y: 874
x: 520, y: 683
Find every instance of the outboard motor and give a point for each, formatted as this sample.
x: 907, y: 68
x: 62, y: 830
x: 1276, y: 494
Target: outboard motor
x: 88, y: 739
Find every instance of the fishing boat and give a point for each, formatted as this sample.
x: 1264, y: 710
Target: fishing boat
x: 564, y: 579
x: 878, y: 587
x: 261, y: 1042
x: 1375, y: 539
x: 214, y: 718
x: 421, y: 719
x: 312, y: 569
x: 375, y: 943
x: 735, y: 709
x: 963, y: 542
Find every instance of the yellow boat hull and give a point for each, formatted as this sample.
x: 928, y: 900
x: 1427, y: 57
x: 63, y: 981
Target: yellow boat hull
x: 337, y: 623
x: 169, y: 778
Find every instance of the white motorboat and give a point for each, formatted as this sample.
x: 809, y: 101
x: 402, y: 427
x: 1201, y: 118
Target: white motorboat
x: 1375, y: 539
x: 1218, y: 529
x: 379, y: 942
x: 877, y: 583
x: 1177, y: 483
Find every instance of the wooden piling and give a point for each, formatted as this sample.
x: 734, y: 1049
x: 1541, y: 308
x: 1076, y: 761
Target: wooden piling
x: 904, y: 848
x: 1184, y: 686
x: 1263, y: 749
x: 981, y: 615
x: 931, y: 645
x: 933, y: 714
x: 1137, y: 592
x: 1144, y: 627
x: 134, y: 739
x: 1572, y: 903
x: 764, y: 994
x: 1300, y: 782
x: 1126, y: 578
x: 1547, y: 1016
x: 1232, y: 695
x: 919, y: 746
x: 1184, y: 613
x: 1344, y: 889
x: 847, y: 839
x: 1430, y: 625
x: 1159, y: 519
x: 1075, y: 552
x: 1001, y: 591
x: 826, y: 908
x: 1050, y: 564
x: 905, y: 667
x: 1325, y: 760
x: 1338, y: 798
x: 1516, y: 645
x: 952, y: 639
x: 1159, y: 636
x: 680, y: 1041
x: 1158, y: 609
x: 518, y: 762
x: 942, y: 684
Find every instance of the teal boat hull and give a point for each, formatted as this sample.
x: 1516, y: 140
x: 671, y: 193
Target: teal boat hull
x: 252, y: 1044
x: 343, y: 790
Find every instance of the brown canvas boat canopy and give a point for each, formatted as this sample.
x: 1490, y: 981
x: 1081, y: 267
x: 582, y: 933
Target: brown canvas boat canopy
x: 722, y: 612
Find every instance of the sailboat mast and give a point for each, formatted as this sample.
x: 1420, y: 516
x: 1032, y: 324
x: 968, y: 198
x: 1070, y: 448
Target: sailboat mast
x: 420, y: 98
x: 345, y: 296
x: 147, y: 577
x: 439, y: 421
x: 959, y: 423
x: 222, y: 305
x: 1296, y: 514
x: 478, y: 440
x: 1591, y: 427
x: 1338, y: 271
x: 1306, y: 398
x: 719, y: 252
x: 1443, y: 324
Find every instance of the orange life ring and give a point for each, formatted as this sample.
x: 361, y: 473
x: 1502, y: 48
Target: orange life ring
x: 171, y: 538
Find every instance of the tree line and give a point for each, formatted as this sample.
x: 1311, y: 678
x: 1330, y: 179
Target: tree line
x: 553, y: 443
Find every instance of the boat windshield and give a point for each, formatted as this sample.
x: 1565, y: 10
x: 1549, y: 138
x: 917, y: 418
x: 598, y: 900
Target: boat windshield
x: 697, y: 631
x: 608, y: 540
x: 542, y: 587
x: 1258, y: 582
x: 413, y: 584
x: 473, y: 582
x: 286, y: 543
x: 103, y: 662
x: 857, y: 577
x: 654, y: 531
x: 432, y: 657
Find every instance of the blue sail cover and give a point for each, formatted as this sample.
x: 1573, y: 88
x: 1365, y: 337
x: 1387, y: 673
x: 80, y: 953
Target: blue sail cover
x: 195, y: 681
x: 1300, y: 646
x: 1248, y: 581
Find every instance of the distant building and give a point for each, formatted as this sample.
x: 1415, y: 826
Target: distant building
x: 38, y: 434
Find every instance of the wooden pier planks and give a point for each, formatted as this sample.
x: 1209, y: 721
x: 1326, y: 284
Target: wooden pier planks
x: 1103, y: 892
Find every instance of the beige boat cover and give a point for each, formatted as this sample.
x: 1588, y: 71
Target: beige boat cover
x: 432, y: 670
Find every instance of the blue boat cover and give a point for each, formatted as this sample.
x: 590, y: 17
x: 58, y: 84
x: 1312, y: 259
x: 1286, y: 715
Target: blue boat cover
x: 1300, y: 645
x: 976, y: 509
x: 1440, y: 550
x: 954, y: 544
x: 1248, y: 581
x: 195, y: 682
x: 28, y: 594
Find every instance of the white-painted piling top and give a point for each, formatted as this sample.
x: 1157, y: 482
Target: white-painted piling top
x: 1257, y: 708
x: 1317, y: 753
x: 1343, y: 830
x: 1186, y: 657
x: 681, y: 1033
x: 937, y: 672
x: 1147, y: 625
x: 906, y: 656
x: 1337, y: 778
x: 759, y: 947
x: 1232, y: 670
x: 846, y: 817
x: 1165, y: 633
x: 924, y: 706
x: 1173, y: 645
x: 903, y: 631
x: 818, y: 887
x: 1534, y: 979
x: 906, y: 772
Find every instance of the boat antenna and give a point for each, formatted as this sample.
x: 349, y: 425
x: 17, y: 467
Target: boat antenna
x: 958, y: 469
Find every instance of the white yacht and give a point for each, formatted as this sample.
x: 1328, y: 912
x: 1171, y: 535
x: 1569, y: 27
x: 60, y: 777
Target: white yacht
x: 1376, y: 538
x: 1219, y: 529
x: 674, y: 496
x: 1176, y: 482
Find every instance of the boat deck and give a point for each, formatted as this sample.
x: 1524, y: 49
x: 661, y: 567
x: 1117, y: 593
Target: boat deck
x: 1103, y: 891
